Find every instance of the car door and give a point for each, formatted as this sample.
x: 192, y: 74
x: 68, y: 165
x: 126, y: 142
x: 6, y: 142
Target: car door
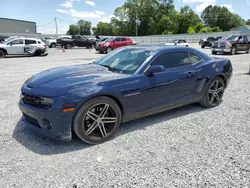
x: 15, y: 47
x: 245, y: 43
x: 173, y: 86
x: 30, y: 46
x: 239, y: 43
x: 116, y: 43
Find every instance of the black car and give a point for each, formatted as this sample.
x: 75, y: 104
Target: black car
x: 208, y: 42
x: 77, y: 40
x: 231, y: 44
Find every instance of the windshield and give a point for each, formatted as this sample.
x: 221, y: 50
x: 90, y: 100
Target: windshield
x: 233, y: 37
x: 173, y: 41
x: 125, y: 61
x: 109, y: 40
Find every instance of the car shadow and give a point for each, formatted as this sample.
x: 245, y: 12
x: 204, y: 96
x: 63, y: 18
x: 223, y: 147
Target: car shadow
x: 45, y: 146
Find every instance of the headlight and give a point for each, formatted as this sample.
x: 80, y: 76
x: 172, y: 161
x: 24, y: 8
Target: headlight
x: 47, y: 101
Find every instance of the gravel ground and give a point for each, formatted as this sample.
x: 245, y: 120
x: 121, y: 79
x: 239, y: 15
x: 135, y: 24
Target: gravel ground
x: 186, y: 147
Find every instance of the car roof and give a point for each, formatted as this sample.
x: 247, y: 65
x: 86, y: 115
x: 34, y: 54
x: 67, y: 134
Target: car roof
x: 162, y: 48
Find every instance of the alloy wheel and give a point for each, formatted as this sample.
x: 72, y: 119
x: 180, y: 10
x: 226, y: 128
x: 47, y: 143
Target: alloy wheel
x: 109, y: 49
x: 215, y: 92
x: 99, y: 121
x: 2, y: 54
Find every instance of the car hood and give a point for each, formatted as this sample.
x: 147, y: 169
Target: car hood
x: 170, y: 43
x: 71, y: 76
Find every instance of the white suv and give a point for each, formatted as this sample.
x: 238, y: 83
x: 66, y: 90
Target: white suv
x: 23, y: 46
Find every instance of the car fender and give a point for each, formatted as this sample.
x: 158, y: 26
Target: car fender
x: 4, y: 50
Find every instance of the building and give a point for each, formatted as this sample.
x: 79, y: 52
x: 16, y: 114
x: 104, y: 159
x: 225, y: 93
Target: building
x: 17, y: 26
x: 243, y: 29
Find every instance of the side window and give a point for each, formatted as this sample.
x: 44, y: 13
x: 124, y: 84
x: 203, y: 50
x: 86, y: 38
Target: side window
x: 123, y: 39
x: 39, y: 42
x: 172, y: 60
x: 194, y: 59
x: 240, y: 38
x: 28, y: 42
x: 117, y: 39
x: 16, y: 42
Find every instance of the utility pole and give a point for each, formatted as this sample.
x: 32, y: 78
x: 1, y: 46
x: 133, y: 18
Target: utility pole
x: 56, y: 26
x: 136, y: 23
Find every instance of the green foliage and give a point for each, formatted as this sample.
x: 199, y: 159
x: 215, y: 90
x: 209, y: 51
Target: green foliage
x: 159, y: 17
x: 84, y: 27
x: 73, y: 30
x: 190, y: 30
x: 248, y: 22
x: 216, y: 16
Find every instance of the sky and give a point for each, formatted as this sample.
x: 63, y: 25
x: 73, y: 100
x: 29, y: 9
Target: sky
x: 69, y: 12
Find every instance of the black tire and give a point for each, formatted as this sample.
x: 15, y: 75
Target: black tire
x: 202, y: 46
x: 53, y: 45
x: 109, y: 49
x: 93, y: 46
x: 80, y: 125
x: 247, y: 51
x: 233, y: 51
x: 186, y: 45
x: 68, y: 46
x: 214, y: 53
x: 207, y: 98
x: 2, y: 54
x: 37, y: 53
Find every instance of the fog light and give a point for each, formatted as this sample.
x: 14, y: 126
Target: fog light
x: 47, y: 124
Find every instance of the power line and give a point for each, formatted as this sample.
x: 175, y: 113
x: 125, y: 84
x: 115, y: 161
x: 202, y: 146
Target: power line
x: 46, y: 24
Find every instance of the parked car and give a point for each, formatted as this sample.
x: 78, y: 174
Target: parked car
x: 177, y: 42
x: 60, y: 39
x: 79, y: 41
x: 92, y: 100
x: 23, y: 46
x: 231, y: 44
x: 208, y: 42
x: 113, y: 43
x: 50, y: 42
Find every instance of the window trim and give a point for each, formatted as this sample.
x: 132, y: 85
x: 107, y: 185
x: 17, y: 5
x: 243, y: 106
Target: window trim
x: 188, y: 51
x: 16, y: 39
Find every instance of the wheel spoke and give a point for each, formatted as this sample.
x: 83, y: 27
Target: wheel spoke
x: 104, y: 111
x: 216, y: 85
x: 211, y: 99
x: 102, y: 129
x: 109, y: 119
x: 92, y: 128
x: 92, y: 115
x: 211, y: 91
x: 217, y: 97
x: 219, y: 90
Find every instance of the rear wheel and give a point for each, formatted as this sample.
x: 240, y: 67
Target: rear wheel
x: 68, y: 46
x: 2, y: 54
x: 202, y: 46
x: 97, y: 120
x: 53, y: 45
x: 214, y: 93
x: 214, y: 53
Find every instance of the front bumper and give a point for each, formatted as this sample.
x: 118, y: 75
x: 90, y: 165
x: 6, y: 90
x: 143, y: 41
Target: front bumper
x: 227, y: 50
x: 37, y: 119
x: 100, y: 48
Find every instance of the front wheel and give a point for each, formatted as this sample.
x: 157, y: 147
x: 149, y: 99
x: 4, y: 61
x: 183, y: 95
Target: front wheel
x: 2, y: 54
x: 214, y: 53
x: 109, y: 49
x: 68, y: 46
x: 233, y: 51
x: 97, y: 120
x: 93, y: 46
x: 53, y: 45
x: 214, y: 93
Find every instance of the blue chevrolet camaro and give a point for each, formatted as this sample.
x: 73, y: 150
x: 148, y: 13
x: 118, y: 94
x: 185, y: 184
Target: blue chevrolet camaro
x: 92, y: 100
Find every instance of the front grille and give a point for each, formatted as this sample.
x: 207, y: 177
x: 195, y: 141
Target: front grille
x: 35, y: 101
x: 219, y: 45
x: 31, y: 120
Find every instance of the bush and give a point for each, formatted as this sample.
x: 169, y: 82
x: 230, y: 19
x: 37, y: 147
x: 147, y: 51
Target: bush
x: 190, y: 30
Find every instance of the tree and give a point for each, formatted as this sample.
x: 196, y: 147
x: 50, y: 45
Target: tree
x: 186, y: 18
x: 73, y: 30
x: 248, y: 22
x: 84, y: 27
x: 216, y: 16
x: 103, y: 29
x: 190, y: 30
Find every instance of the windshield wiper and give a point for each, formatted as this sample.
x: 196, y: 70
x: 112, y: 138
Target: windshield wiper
x: 110, y: 68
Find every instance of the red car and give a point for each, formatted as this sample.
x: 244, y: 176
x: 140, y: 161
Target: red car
x: 113, y: 43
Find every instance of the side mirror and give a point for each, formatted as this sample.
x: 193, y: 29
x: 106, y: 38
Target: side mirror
x: 154, y: 69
